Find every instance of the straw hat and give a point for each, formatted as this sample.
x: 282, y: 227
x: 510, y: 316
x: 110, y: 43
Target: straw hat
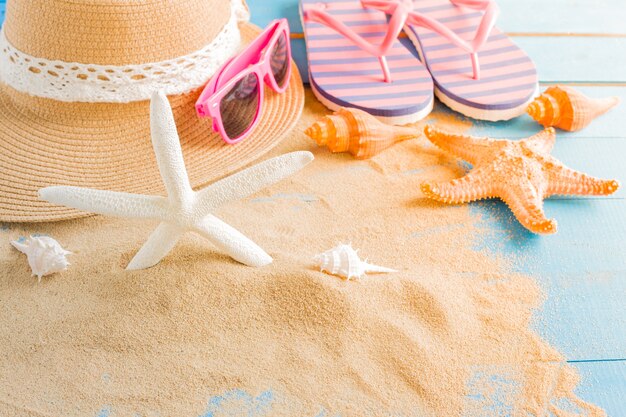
x: 75, y: 79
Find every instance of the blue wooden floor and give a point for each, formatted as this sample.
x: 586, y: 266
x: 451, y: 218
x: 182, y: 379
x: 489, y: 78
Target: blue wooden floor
x: 583, y: 268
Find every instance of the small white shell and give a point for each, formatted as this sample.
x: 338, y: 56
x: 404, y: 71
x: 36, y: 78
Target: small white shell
x: 45, y: 255
x: 345, y: 262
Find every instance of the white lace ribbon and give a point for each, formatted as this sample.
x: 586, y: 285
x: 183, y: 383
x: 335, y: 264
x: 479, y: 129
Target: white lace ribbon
x: 79, y: 82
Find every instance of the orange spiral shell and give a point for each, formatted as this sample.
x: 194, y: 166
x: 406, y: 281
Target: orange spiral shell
x: 568, y: 109
x: 357, y: 132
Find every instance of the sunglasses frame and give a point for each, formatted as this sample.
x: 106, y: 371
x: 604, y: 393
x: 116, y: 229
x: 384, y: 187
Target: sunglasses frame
x: 254, y: 59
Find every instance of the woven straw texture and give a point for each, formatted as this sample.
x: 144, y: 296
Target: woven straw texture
x: 107, y: 146
x: 113, y: 32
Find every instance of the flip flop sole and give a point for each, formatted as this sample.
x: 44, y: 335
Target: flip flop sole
x: 508, y: 81
x: 343, y: 75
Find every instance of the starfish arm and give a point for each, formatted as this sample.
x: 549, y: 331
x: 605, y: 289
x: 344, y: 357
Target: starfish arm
x: 166, y: 143
x: 527, y: 206
x: 108, y: 203
x: 566, y: 181
x: 232, y: 242
x: 250, y: 180
x: 468, y: 148
x: 158, y: 245
x: 473, y: 186
x: 542, y: 142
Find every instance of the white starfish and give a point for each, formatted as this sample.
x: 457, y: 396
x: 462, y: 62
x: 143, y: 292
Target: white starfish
x: 184, y: 209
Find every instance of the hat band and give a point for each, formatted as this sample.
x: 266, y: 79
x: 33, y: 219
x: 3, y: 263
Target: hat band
x: 79, y: 82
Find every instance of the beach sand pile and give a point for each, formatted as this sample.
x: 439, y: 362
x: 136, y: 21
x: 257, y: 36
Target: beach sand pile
x: 200, y: 335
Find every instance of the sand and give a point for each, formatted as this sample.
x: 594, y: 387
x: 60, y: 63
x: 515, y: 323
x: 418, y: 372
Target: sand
x: 200, y: 335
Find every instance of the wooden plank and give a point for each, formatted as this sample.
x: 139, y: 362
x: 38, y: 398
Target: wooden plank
x: 577, y: 59
x: 298, y: 52
x: 559, y: 59
x: 563, y: 16
x: 604, y: 384
x: 589, y: 60
x: 582, y: 270
x: 610, y: 125
x: 555, y: 17
x: 589, y: 240
x: 584, y: 314
x: 263, y: 12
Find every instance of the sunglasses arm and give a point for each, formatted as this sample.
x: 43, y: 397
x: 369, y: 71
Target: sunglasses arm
x: 234, y: 66
x: 202, y: 104
x: 251, y: 53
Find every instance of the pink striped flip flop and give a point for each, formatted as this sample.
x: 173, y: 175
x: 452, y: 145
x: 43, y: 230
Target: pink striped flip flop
x: 477, y: 69
x: 356, y: 60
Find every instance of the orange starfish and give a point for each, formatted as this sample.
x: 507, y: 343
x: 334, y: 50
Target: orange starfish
x: 521, y: 173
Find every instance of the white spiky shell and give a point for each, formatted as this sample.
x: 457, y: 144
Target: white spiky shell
x: 344, y: 261
x: 45, y: 255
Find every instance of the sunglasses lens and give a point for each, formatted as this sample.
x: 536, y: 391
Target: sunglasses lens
x: 280, y: 60
x: 239, y: 107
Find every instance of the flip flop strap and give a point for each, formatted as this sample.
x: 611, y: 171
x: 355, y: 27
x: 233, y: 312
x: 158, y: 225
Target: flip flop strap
x: 399, y: 11
x: 487, y: 23
x: 482, y: 33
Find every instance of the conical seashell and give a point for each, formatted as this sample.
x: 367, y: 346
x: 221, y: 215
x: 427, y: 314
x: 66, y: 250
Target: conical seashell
x: 345, y: 262
x: 45, y: 255
x: 357, y: 132
x: 568, y: 109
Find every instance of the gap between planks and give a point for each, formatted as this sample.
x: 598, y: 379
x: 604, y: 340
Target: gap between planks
x: 565, y: 35
x: 586, y: 83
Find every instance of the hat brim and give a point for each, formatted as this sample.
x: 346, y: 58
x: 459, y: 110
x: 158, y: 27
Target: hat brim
x: 108, y: 146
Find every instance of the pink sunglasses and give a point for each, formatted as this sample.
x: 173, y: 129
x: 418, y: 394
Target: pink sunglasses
x: 234, y: 95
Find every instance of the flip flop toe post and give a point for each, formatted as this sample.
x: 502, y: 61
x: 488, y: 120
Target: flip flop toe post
x: 495, y: 82
x: 356, y: 60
